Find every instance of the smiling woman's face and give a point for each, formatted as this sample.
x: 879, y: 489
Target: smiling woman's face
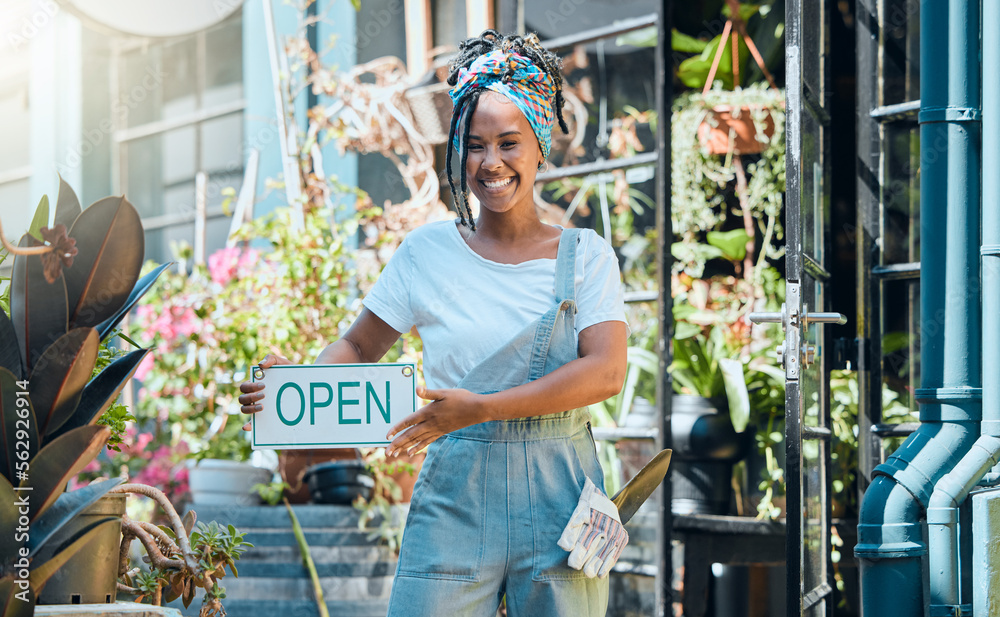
x: 503, y: 154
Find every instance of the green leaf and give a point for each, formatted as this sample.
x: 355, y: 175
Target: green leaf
x: 60, y: 460
x: 894, y: 341
x: 736, y: 392
x: 102, y: 391
x: 644, y: 37
x: 693, y: 72
x: 111, y: 243
x: 10, y: 353
x: 694, y: 251
x: 684, y: 329
x: 684, y: 43
x: 746, y: 11
x: 733, y: 243
x: 12, y: 419
x: 40, y: 220
x: 10, y: 604
x: 67, y: 205
x: 60, y: 375
x: 65, y: 509
x: 8, y: 518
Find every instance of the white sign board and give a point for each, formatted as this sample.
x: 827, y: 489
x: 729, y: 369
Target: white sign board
x: 332, y: 405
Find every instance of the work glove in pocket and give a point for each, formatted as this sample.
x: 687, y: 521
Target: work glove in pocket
x: 594, y: 535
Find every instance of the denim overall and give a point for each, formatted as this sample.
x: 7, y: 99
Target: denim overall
x: 493, y: 498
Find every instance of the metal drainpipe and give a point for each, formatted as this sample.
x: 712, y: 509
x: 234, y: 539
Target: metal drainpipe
x: 951, y: 491
x: 891, y: 545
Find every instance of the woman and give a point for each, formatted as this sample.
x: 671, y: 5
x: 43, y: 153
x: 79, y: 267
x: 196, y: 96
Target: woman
x: 522, y: 326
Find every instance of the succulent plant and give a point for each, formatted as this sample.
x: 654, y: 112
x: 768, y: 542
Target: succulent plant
x: 65, y: 299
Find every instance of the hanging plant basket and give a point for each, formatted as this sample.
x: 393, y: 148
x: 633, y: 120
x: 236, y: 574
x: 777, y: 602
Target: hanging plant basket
x: 729, y: 129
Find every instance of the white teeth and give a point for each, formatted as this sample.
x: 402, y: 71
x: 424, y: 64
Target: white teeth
x: 498, y: 184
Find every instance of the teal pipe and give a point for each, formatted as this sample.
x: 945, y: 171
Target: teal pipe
x: 990, y: 249
x: 892, y: 550
x: 952, y: 490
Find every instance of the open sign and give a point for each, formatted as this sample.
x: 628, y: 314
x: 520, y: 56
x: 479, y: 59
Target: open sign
x: 331, y: 405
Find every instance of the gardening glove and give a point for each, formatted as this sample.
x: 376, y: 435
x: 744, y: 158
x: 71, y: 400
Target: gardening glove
x: 594, y: 535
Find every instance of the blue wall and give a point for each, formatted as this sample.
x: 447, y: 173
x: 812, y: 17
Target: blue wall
x: 260, y: 117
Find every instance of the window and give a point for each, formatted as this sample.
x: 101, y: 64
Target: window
x: 178, y: 112
x: 15, y: 170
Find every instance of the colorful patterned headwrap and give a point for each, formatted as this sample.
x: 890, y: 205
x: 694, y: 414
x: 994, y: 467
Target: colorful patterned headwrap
x: 517, y: 78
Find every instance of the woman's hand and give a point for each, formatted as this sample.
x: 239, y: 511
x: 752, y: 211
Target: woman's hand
x: 253, y: 391
x: 450, y: 410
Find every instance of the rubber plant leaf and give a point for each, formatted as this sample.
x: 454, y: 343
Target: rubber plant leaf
x: 60, y: 460
x: 110, y: 241
x: 101, y: 392
x: 37, y: 307
x: 8, y: 519
x: 65, y: 509
x: 145, y: 283
x: 12, y: 419
x: 59, y: 377
x: 10, y: 604
x: 41, y: 219
x: 10, y: 352
x: 40, y: 574
x: 67, y: 205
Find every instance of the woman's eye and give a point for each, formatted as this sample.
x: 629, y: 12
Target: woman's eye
x: 508, y: 144
x: 475, y: 147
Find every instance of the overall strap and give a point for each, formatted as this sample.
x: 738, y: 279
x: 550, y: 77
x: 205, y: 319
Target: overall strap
x: 566, y: 265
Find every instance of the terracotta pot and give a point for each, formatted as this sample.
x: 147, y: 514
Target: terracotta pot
x: 716, y: 138
x: 292, y: 465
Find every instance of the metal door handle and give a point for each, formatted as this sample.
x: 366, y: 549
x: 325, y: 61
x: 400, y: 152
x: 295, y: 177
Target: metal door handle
x: 783, y: 317
x: 834, y: 318
x: 765, y: 317
x: 789, y: 320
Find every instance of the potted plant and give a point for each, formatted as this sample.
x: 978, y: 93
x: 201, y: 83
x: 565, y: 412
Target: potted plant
x: 71, y: 286
x: 182, y: 557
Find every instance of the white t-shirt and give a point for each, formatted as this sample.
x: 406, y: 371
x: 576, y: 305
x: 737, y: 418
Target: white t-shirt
x: 466, y: 307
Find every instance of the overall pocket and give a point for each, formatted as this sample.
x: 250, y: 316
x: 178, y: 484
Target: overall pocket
x: 557, y: 471
x: 446, y: 527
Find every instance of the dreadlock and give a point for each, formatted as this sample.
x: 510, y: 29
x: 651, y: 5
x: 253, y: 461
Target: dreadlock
x: 470, y: 49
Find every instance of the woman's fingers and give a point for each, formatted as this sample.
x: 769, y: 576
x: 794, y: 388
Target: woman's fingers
x: 409, y: 443
x: 250, y: 403
x: 429, y: 395
x: 411, y: 420
x: 252, y: 393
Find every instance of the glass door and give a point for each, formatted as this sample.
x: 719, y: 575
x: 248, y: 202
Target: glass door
x: 805, y: 353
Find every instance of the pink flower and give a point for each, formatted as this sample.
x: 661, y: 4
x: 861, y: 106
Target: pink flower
x: 248, y: 261
x: 222, y: 264
x: 144, y: 367
x: 143, y: 440
x: 185, y: 322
